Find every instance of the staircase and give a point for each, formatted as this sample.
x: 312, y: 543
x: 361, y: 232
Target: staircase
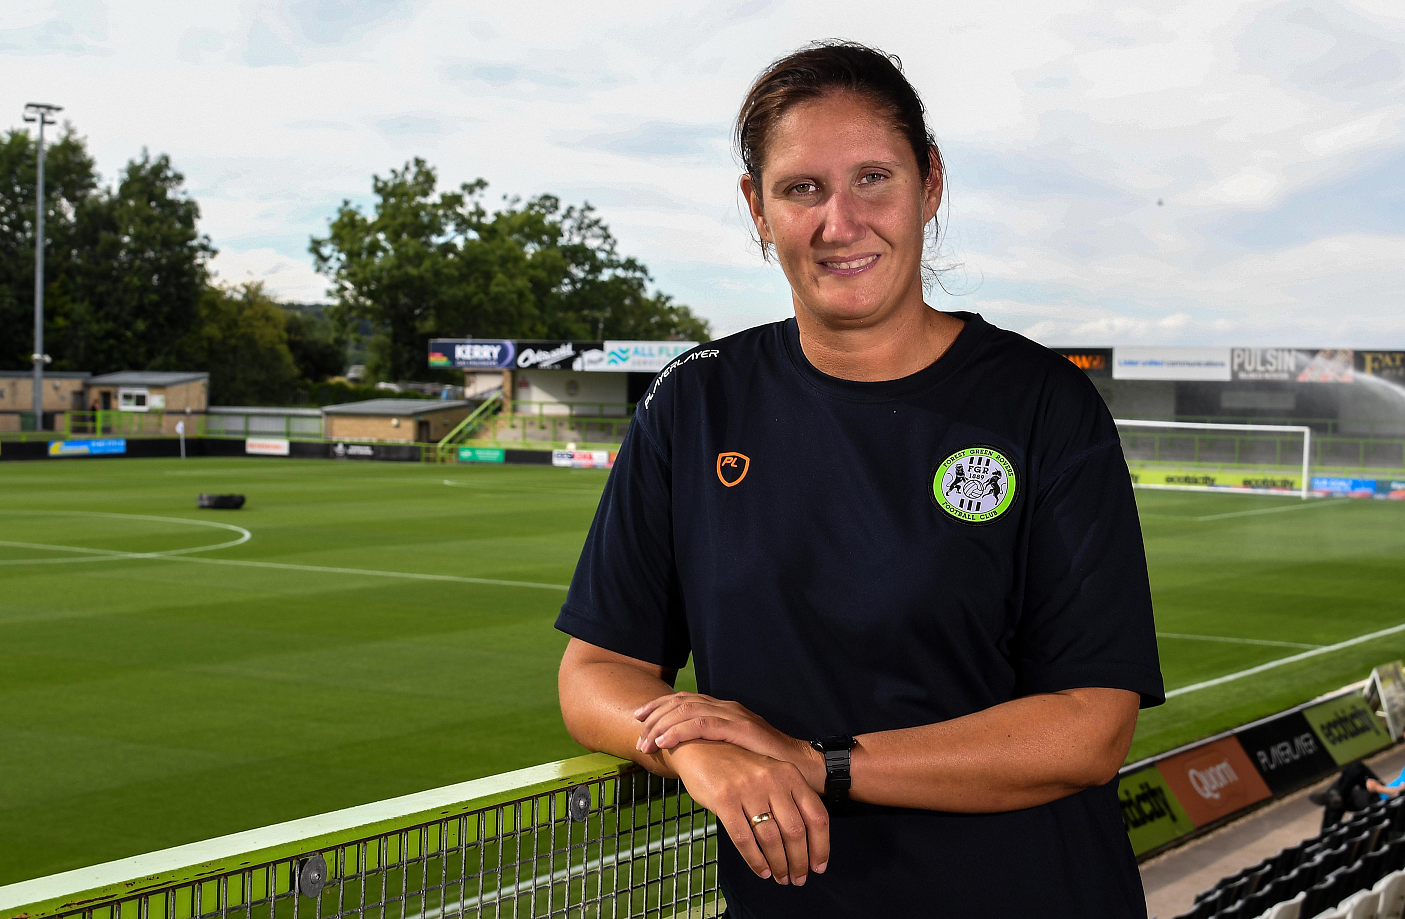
x: 445, y: 449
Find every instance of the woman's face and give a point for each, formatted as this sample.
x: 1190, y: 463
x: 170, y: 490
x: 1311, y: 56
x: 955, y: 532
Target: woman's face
x: 842, y: 201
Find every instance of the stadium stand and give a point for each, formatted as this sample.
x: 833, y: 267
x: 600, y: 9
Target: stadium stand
x: 1355, y: 870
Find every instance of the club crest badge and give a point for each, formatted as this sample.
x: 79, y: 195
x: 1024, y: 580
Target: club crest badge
x: 975, y: 484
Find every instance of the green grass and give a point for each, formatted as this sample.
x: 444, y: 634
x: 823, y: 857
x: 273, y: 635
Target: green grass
x: 148, y: 702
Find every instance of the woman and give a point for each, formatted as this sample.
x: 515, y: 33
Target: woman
x: 901, y: 545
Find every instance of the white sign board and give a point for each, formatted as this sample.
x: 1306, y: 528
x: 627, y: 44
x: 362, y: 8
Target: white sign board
x: 636, y: 356
x: 1170, y: 364
x: 266, y: 446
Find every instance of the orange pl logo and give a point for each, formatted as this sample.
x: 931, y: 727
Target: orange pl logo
x: 732, y: 467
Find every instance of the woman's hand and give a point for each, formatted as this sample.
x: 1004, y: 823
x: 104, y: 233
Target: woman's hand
x: 683, y: 716
x: 737, y: 785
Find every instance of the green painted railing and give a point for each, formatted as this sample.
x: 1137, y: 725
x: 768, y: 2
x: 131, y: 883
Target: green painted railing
x: 466, y: 428
x: 590, y: 836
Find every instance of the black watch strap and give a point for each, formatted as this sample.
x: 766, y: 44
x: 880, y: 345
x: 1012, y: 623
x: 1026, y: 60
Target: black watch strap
x: 836, y: 750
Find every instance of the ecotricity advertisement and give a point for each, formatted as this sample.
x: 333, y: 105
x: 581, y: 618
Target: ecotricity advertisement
x: 1169, y: 798
x: 1250, y: 480
x: 1150, y: 811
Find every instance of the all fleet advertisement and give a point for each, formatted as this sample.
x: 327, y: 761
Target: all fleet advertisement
x: 636, y: 356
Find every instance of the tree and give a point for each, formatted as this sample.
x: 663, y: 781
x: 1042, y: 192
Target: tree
x: 317, y: 351
x: 136, y: 273
x: 70, y: 181
x: 238, y: 335
x: 427, y: 264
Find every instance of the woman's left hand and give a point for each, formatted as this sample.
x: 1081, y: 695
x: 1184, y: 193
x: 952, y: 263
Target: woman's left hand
x: 683, y: 716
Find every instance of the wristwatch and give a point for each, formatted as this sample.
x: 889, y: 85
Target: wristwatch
x: 835, y: 750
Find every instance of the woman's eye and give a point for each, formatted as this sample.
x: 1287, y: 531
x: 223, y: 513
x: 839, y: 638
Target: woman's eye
x: 803, y: 188
x: 872, y: 177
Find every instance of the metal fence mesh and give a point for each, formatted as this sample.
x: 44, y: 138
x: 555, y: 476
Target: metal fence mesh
x: 631, y: 845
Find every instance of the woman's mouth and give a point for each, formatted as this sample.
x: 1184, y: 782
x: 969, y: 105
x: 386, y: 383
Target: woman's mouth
x: 849, y: 266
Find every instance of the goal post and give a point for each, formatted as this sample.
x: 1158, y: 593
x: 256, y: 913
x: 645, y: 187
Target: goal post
x: 1206, y: 456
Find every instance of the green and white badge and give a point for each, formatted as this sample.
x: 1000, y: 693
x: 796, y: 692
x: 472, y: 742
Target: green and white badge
x: 975, y: 484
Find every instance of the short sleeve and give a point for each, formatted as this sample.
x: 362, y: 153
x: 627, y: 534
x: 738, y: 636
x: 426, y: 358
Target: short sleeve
x: 1087, y: 618
x: 624, y: 596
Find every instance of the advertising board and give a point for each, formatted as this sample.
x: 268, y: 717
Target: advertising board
x: 1214, y: 780
x: 1170, y: 364
x: 1275, y: 482
x: 266, y: 446
x: 583, y: 459
x: 471, y: 354
x: 1150, y: 811
x: 353, y: 451
x: 1286, y: 752
x: 1338, y: 485
x: 1347, y: 728
x: 482, y: 455
x: 635, y: 356
x: 1283, y: 364
x: 1387, y: 365
x: 554, y: 355
x: 108, y: 447
x: 1096, y: 362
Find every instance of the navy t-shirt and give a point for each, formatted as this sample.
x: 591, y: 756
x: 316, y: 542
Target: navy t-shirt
x: 846, y: 557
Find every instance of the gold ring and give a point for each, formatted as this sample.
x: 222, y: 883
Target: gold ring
x: 760, y: 818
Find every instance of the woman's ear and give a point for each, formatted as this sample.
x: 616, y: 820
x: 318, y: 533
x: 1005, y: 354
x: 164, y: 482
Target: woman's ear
x: 752, y: 194
x: 934, y: 186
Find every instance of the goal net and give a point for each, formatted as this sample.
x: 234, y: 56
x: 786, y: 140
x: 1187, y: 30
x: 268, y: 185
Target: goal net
x: 1202, y: 456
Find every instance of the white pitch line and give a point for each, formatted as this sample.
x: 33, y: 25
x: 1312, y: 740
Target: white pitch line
x: 1291, y: 659
x: 1306, y: 505
x: 371, y: 572
x: 1237, y: 641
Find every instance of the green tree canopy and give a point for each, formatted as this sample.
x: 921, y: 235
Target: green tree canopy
x: 124, y: 266
x: 239, y: 336
x: 70, y: 181
x: 427, y: 263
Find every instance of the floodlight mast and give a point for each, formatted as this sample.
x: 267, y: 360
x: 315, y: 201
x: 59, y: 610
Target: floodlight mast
x: 39, y: 112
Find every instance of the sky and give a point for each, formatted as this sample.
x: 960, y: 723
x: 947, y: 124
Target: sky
x: 1206, y: 173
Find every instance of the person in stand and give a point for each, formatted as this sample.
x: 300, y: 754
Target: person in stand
x: 1357, y: 788
x: 907, y: 707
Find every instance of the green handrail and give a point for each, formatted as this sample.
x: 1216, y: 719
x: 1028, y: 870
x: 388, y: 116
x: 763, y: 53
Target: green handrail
x: 464, y: 429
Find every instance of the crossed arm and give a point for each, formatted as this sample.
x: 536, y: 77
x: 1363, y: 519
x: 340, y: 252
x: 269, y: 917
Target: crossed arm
x: 1018, y: 754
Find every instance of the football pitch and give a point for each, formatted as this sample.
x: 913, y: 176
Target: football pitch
x: 365, y: 630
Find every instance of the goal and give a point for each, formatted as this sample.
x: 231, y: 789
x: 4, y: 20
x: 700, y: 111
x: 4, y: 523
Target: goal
x: 1204, y: 456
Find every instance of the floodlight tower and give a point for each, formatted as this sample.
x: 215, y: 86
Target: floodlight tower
x: 39, y: 112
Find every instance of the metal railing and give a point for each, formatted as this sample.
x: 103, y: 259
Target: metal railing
x: 541, y: 409
x: 592, y: 836
x: 466, y: 428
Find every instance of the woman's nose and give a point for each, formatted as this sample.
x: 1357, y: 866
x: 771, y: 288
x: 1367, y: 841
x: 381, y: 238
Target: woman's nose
x: 841, y: 224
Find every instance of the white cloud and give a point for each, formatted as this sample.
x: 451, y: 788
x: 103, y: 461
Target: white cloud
x: 1064, y: 125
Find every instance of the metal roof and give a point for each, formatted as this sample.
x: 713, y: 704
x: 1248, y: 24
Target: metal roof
x: 55, y: 374
x: 148, y: 378
x: 407, y: 407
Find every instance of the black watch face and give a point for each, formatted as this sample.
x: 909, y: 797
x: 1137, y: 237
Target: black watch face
x: 835, y: 742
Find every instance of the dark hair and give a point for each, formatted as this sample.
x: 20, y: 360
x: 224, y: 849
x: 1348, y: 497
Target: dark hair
x: 822, y: 68
x: 827, y: 67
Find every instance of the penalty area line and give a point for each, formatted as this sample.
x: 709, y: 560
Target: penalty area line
x: 1290, y: 659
